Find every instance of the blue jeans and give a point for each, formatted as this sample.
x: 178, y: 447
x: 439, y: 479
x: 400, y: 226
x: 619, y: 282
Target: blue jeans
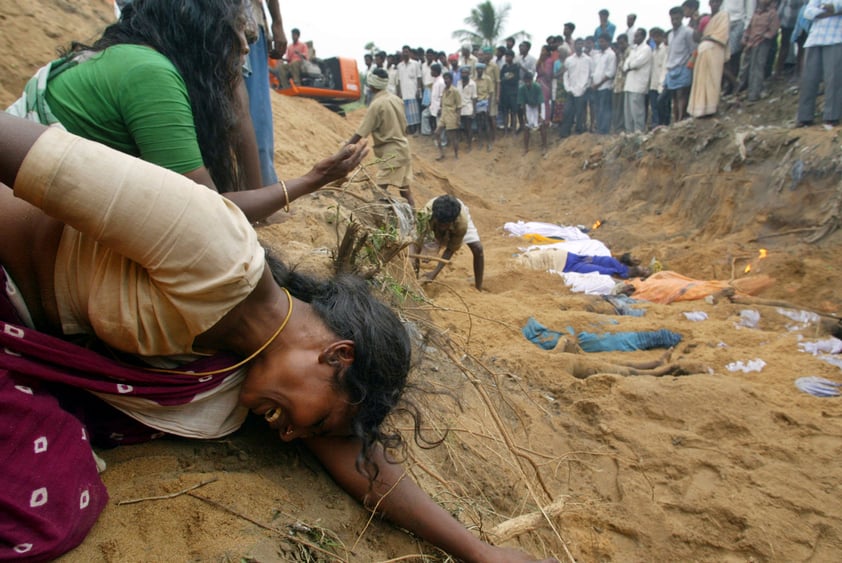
x: 654, y: 116
x: 260, y: 107
x: 575, y: 111
x: 603, y: 111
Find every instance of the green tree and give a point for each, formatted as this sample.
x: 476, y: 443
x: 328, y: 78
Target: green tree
x: 486, y: 25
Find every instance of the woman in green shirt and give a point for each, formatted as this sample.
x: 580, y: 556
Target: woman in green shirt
x: 165, y: 84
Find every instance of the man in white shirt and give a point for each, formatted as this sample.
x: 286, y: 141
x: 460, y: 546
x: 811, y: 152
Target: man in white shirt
x: 822, y: 63
x: 369, y: 66
x: 577, y: 79
x: 427, y: 82
x: 409, y: 89
x: 632, y: 28
x: 435, y: 94
x: 468, y: 90
x: 528, y: 64
x: 656, y: 82
x: 392, y: 71
x: 605, y: 67
x: 638, y: 67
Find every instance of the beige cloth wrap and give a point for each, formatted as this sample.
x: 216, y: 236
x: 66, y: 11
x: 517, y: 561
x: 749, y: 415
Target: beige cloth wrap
x: 148, y: 259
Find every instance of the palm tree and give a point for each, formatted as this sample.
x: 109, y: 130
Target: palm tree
x: 487, y: 23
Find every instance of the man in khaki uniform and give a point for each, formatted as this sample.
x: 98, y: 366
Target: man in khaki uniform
x: 386, y: 123
x: 492, y: 71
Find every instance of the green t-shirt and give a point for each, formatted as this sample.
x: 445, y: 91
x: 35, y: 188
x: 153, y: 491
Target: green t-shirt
x: 530, y: 95
x: 132, y: 99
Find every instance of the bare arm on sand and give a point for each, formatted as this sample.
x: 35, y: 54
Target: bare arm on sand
x: 403, y: 502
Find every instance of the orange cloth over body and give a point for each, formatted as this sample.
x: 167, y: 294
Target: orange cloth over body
x: 667, y: 286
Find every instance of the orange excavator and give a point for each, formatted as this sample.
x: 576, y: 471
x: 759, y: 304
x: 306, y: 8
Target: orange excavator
x: 332, y: 82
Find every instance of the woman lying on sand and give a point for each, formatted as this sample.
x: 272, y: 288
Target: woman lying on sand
x: 165, y: 84
x: 124, y: 261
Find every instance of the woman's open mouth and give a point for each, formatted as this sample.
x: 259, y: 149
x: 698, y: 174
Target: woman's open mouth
x: 272, y: 415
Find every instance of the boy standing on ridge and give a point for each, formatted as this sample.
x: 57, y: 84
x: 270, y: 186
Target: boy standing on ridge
x: 530, y: 98
x: 449, y: 114
x: 468, y: 90
x: 509, y: 82
x: 485, y: 94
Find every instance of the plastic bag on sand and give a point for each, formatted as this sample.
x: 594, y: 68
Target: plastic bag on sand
x: 826, y: 346
x: 749, y: 318
x: 803, y: 319
x: 832, y: 359
x: 818, y: 386
x: 752, y: 365
x: 695, y: 316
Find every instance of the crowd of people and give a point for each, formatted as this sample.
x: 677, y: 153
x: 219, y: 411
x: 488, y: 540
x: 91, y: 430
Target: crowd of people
x: 612, y: 81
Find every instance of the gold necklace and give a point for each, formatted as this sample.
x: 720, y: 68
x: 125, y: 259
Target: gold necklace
x: 239, y: 364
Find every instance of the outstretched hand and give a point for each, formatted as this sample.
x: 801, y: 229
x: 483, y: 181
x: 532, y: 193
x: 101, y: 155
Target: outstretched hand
x: 339, y: 165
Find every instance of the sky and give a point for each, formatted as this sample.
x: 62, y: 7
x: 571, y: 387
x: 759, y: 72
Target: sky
x: 344, y: 28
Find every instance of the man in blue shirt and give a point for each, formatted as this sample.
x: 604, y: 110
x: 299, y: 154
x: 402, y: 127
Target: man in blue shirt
x: 604, y: 26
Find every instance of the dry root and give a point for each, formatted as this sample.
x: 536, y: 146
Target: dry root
x: 520, y: 525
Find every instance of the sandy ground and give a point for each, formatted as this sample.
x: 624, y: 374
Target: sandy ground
x: 711, y: 466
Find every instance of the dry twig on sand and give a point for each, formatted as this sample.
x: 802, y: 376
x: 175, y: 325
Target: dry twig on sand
x: 288, y: 536
x: 520, y: 525
x: 171, y: 495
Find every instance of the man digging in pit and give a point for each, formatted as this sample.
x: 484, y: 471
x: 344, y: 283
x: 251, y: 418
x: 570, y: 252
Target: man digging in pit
x: 445, y: 221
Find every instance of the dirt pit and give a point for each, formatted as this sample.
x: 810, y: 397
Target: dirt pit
x: 714, y: 466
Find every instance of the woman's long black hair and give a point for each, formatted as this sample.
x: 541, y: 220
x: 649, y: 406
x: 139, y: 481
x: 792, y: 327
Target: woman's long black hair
x: 375, y: 382
x: 200, y: 38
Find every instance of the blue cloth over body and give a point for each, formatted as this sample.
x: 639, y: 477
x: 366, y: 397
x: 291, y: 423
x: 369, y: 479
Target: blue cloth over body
x: 607, y: 265
x: 627, y: 341
x: 540, y: 335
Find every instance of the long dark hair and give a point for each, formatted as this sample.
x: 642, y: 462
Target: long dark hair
x: 375, y: 382
x: 200, y: 38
